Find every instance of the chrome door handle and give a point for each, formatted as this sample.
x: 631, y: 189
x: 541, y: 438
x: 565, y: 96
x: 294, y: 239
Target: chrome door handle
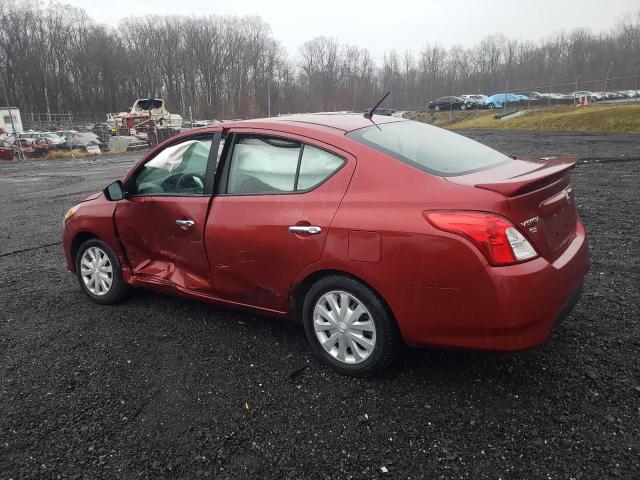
x: 313, y: 230
x: 185, y: 223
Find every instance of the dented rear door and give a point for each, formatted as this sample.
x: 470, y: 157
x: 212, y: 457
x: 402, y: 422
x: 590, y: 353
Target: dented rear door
x: 254, y: 252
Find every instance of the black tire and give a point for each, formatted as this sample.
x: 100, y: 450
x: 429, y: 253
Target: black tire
x: 388, y: 340
x: 463, y: 107
x: 119, y: 288
x: 437, y: 108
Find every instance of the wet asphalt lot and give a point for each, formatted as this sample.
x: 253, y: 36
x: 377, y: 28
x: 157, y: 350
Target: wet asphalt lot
x: 161, y: 387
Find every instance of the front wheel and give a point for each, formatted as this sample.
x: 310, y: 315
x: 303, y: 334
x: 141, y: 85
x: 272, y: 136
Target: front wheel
x: 99, y: 273
x: 349, y: 327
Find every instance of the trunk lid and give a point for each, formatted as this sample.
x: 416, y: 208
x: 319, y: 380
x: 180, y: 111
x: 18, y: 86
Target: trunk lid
x: 539, y: 196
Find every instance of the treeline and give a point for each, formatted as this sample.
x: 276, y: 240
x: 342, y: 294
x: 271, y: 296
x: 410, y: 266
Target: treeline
x: 54, y: 58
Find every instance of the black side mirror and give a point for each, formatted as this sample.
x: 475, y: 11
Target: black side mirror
x: 114, y: 191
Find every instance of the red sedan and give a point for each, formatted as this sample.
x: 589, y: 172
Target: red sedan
x: 9, y: 151
x: 374, y: 235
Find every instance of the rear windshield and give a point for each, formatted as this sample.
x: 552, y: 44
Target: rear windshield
x: 429, y: 148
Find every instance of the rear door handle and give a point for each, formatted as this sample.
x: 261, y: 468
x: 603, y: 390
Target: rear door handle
x: 311, y: 229
x: 185, y: 223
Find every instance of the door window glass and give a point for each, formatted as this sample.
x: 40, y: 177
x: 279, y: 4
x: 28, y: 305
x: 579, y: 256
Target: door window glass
x: 177, y: 170
x: 316, y: 166
x: 261, y: 165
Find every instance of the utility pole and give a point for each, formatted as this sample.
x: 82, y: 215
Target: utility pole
x: 13, y: 126
x: 506, y: 98
x: 606, y: 78
x: 453, y: 89
x: 269, y: 98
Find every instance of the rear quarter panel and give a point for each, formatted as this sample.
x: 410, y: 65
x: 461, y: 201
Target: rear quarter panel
x: 388, y: 197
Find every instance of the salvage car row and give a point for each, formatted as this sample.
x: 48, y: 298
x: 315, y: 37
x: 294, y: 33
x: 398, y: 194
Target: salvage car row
x: 498, y: 100
x: 41, y: 144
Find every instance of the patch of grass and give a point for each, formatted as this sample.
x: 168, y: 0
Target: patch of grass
x: 441, y: 119
x: 54, y: 154
x: 594, y: 118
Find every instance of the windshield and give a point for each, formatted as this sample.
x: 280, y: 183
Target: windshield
x: 429, y: 148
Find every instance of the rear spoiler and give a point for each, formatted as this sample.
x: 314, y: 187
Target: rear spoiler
x: 553, y: 169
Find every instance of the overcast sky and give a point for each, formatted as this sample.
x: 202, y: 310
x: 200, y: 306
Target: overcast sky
x: 383, y: 25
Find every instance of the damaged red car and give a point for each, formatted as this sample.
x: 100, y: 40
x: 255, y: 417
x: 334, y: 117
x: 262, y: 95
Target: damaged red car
x: 375, y: 232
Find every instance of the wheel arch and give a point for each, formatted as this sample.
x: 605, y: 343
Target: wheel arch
x: 78, y: 240
x: 299, y: 291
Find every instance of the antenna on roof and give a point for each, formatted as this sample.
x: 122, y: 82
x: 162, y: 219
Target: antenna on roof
x: 369, y: 113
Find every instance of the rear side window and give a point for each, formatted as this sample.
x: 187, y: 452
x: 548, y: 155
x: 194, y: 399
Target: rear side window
x: 269, y: 165
x: 316, y: 166
x: 263, y: 165
x: 432, y: 149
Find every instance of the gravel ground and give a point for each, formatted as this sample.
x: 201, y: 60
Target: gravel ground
x: 161, y: 387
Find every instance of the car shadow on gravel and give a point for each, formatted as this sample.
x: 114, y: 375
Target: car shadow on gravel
x: 444, y: 366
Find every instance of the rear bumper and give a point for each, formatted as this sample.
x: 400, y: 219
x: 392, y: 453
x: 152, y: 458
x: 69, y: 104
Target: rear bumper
x: 502, y: 308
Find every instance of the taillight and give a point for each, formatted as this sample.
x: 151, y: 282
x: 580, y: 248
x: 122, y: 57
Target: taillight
x: 496, y: 237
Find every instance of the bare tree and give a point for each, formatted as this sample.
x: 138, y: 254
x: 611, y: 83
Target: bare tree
x: 55, y: 58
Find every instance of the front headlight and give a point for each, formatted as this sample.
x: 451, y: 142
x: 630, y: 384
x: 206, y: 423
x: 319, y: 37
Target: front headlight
x: 69, y: 213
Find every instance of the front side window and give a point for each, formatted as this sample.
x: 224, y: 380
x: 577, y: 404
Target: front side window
x: 177, y: 170
x: 432, y: 149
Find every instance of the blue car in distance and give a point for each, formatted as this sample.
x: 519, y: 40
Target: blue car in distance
x: 496, y: 101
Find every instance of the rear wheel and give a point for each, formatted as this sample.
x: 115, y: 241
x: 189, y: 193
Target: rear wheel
x: 437, y: 108
x: 349, y: 327
x: 99, y: 273
x: 463, y: 107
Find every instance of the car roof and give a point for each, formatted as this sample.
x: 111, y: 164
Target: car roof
x: 342, y: 122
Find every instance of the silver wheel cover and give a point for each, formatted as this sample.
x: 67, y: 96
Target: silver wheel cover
x: 344, y: 327
x: 96, y: 271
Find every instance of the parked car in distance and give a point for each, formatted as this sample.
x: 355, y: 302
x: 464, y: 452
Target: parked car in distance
x: 7, y: 151
x: 21, y: 147
x: 102, y: 129
x: 38, y: 147
x: 374, y: 235
x: 42, y: 146
x: 477, y: 99
x: 627, y: 93
x: 450, y: 103
x: 536, y: 95
x: 53, y: 138
x: 612, y: 95
x: 591, y: 96
x: 560, y: 96
x: 29, y: 135
x: 384, y: 111
x: 499, y: 99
